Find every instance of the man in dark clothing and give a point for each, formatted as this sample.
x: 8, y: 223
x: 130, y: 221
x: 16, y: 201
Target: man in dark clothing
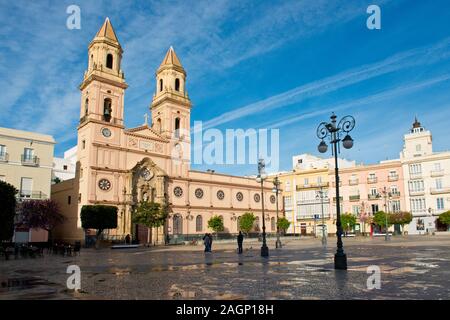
x: 240, y: 239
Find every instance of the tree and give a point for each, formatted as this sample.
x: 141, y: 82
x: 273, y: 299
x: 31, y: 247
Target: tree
x: 348, y: 221
x: 7, y: 210
x: 57, y: 180
x: 283, y: 224
x: 401, y: 218
x: 44, y: 214
x: 445, y: 218
x: 99, y: 217
x: 246, y: 222
x: 216, y: 224
x: 379, y: 218
x: 150, y: 214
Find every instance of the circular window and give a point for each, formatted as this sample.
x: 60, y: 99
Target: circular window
x: 178, y: 192
x: 220, y: 195
x: 239, y: 196
x: 257, y: 197
x: 272, y: 199
x: 199, y: 193
x: 104, y: 184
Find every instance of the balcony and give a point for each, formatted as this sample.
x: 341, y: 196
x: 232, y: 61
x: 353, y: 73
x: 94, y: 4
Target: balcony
x: 372, y: 180
x: 28, y: 194
x: 334, y: 184
x: 4, y: 157
x: 437, y: 173
x: 353, y: 182
x: 312, y: 185
x: 439, y: 191
x: 355, y: 198
x: 392, y: 177
x: 416, y: 192
x: 340, y: 199
x: 373, y: 196
x: 416, y: 175
x: 395, y: 195
x: 30, y: 161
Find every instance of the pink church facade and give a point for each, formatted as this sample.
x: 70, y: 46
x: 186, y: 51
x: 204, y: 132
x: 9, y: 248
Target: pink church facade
x: 123, y: 166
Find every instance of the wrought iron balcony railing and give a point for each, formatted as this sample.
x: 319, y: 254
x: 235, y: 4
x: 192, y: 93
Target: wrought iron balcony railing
x: 30, y: 161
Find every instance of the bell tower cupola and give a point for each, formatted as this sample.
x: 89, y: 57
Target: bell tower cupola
x: 103, y: 86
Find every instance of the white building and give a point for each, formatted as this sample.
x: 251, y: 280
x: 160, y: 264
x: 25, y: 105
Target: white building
x: 64, y: 168
x: 307, y: 161
x: 427, y: 180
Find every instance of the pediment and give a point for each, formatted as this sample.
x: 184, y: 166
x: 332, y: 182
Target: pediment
x: 145, y: 131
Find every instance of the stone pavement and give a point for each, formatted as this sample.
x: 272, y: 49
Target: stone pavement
x: 414, y: 267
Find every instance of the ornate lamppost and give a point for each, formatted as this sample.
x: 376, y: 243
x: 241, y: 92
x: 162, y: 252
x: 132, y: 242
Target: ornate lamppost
x: 333, y: 130
x: 386, y: 211
x: 260, y: 178
x: 276, y: 190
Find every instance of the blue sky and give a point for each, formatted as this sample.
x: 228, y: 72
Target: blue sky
x: 250, y: 64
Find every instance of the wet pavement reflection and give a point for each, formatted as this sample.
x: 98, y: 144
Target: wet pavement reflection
x: 411, y: 268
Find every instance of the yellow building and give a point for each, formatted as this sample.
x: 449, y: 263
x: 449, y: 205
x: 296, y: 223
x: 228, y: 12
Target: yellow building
x: 26, y: 162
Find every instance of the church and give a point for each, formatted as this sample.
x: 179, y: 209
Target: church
x: 123, y: 166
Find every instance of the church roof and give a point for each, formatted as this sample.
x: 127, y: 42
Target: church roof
x: 146, y: 131
x: 107, y: 31
x: 171, y: 59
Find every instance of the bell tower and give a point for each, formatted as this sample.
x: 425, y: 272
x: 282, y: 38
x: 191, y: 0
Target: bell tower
x: 103, y: 86
x: 171, y: 109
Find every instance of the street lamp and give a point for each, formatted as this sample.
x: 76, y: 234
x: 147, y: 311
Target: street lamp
x: 333, y: 131
x: 320, y: 195
x: 276, y: 189
x: 260, y: 178
x: 386, y: 211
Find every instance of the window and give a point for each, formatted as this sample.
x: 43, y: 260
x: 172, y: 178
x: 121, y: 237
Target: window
x: 256, y: 224
x: 107, y: 109
x: 26, y: 187
x: 438, y: 184
x: 65, y: 167
x: 418, y: 147
x: 373, y: 191
x: 437, y: 166
x: 28, y: 154
x: 395, y: 206
x: 356, y: 210
x: 177, y: 84
x: 3, y: 153
x: 416, y: 186
x: 319, y: 180
x: 374, y: 208
x: 86, y: 106
x: 415, y: 168
x: 177, y: 127
x: 418, y: 205
x: 160, y: 85
x: 177, y: 224
x: 83, y: 144
x: 394, y: 190
x: 299, y: 160
x: 288, y: 202
x: 158, y: 126
x: 69, y: 199
x: 109, y: 61
x: 306, y: 181
x: 198, y: 223
x: 273, y: 224
x: 440, y: 203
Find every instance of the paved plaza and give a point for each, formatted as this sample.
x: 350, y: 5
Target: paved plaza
x: 414, y: 267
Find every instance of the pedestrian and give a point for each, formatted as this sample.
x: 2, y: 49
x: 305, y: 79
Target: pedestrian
x: 167, y: 239
x: 127, y: 239
x: 240, y: 239
x: 210, y: 241
x: 207, y: 242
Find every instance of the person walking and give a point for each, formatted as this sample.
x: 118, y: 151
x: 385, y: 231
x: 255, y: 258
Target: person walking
x: 240, y: 239
x: 207, y: 242
x: 210, y: 241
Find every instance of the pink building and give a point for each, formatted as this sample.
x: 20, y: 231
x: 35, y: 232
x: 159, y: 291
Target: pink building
x: 366, y: 189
